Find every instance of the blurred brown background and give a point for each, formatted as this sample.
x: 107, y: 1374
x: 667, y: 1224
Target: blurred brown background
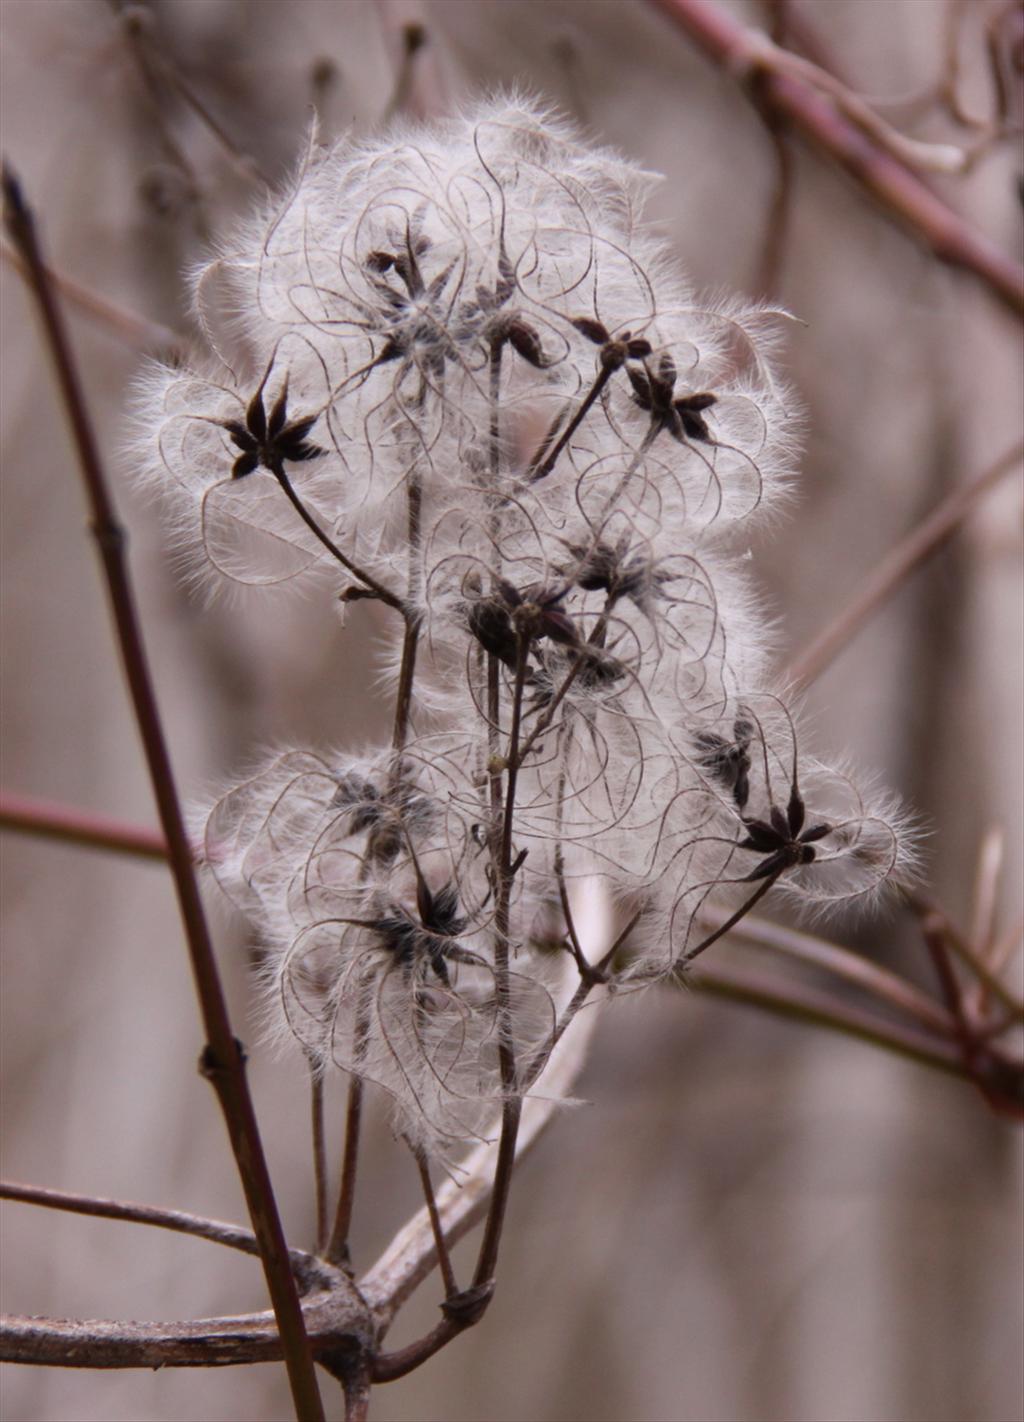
x: 751, y: 1221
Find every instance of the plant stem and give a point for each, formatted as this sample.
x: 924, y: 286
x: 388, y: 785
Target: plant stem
x: 156, y: 67
x: 868, y: 977
x: 378, y: 589
x: 223, y: 1061
x: 512, y: 1105
x: 732, y: 920
x: 215, y: 1231
x: 794, y: 1000
x: 410, y: 643
x: 897, y: 190
x: 542, y: 463
x: 444, y: 1258
x: 316, y: 1105
x: 48, y: 820
x: 337, y: 1248
x: 932, y: 919
x: 132, y: 330
x: 897, y: 565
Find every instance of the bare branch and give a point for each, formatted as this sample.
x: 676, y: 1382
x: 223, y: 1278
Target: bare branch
x: 897, y: 565
x: 853, y: 968
x: 794, y: 1000
x: 892, y: 185
x: 48, y: 820
x: 308, y: 1270
x: 223, y: 1061
x: 157, y: 70
x: 134, y: 331
x: 337, y: 1323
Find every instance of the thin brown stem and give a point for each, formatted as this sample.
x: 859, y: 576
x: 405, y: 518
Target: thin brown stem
x: 853, y: 968
x: 512, y: 1107
x: 305, y: 1267
x: 367, y: 579
x: 899, y: 192
x: 930, y: 915
x: 932, y: 930
x: 732, y: 920
x: 547, y: 456
x: 546, y: 717
x: 389, y: 1367
x: 223, y: 1061
x: 337, y: 1248
x: 487, y: 1258
x: 595, y: 976
x: 337, y: 1245
x: 410, y: 642
x: 444, y: 1258
x: 473, y: 1303
x: 512, y: 757
x: 411, y: 1255
x: 48, y: 820
x: 897, y: 565
x: 316, y: 1111
x: 990, y: 1072
x: 406, y: 678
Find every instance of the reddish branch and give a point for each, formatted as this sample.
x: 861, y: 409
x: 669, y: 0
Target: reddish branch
x: 896, y: 189
x: 48, y: 820
x: 223, y: 1061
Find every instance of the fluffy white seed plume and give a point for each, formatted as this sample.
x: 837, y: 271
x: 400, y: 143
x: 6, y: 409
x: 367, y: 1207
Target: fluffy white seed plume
x: 465, y: 380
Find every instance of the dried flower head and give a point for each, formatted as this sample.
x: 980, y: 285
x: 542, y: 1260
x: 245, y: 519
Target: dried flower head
x: 481, y: 392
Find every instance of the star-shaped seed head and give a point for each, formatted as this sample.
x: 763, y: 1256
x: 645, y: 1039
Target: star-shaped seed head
x: 654, y: 391
x: 782, y: 839
x: 428, y: 941
x: 615, y: 570
x: 269, y: 439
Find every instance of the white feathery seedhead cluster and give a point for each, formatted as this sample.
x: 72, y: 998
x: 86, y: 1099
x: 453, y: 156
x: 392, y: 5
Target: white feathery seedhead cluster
x: 477, y: 388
